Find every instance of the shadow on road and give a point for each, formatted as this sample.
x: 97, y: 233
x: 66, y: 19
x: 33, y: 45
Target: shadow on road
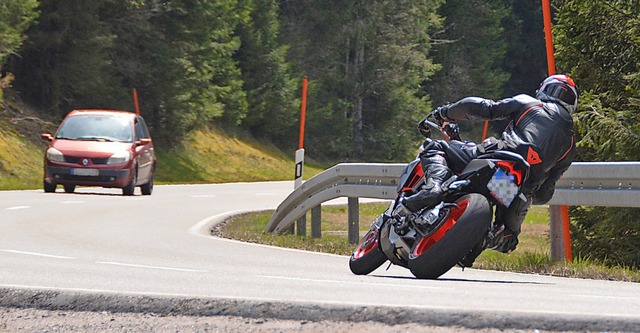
x: 464, y: 280
x: 114, y: 194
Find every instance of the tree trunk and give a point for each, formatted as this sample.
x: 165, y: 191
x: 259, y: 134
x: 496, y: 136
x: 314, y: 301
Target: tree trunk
x: 359, y: 92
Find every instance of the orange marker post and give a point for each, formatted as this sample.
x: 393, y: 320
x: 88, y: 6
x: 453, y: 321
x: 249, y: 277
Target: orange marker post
x: 303, y: 112
x: 135, y: 101
x: 485, y: 130
x: 566, y: 231
x: 551, y: 67
x: 548, y: 36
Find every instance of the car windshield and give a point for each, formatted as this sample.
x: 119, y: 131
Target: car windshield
x: 96, y: 128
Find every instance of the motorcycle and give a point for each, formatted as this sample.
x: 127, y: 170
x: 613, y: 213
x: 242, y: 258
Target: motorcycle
x: 434, y: 239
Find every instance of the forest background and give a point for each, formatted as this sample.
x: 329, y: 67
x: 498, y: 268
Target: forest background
x: 375, y: 69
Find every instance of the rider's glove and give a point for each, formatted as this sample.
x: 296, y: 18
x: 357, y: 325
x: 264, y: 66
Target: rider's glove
x: 424, y: 129
x: 440, y: 114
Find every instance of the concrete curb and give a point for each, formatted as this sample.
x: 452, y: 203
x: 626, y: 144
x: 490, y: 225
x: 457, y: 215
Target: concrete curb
x: 63, y: 300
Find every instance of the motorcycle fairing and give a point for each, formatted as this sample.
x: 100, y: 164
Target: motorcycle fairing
x: 412, y: 177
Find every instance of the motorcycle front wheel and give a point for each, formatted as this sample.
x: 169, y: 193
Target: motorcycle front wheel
x: 368, y: 256
x: 466, y: 226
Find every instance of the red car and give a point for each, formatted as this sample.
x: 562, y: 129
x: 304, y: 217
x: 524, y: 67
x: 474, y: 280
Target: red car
x: 100, y: 148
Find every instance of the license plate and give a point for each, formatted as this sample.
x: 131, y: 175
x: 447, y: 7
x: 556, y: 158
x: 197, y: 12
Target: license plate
x: 84, y: 172
x: 503, y: 187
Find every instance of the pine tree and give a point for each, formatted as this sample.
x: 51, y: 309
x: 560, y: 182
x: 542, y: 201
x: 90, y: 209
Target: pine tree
x: 366, y: 60
x: 598, y: 41
x: 64, y: 63
x: 266, y: 75
x: 471, y: 51
x: 15, y: 18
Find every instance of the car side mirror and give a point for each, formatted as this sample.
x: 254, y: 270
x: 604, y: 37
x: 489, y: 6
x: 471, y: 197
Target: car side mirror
x: 143, y: 141
x: 46, y: 136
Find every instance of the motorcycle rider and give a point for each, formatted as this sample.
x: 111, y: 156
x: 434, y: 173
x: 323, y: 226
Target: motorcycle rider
x: 541, y: 131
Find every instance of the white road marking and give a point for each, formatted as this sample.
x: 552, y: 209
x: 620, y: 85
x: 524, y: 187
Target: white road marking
x: 607, y: 297
x: 351, y: 282
x: 72, y: 202
x: 264, y: 194
x: 18, y: 207
x: 202, y: 228
x: 37, y: 254
x: 151, y: 267
x: 204, y: 196
x: 275, y: 247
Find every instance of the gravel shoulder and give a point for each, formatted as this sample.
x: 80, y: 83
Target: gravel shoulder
x: 34, y: 320
x: 74, y: 311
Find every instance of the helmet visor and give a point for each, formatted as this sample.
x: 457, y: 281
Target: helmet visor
x: 561, y: 92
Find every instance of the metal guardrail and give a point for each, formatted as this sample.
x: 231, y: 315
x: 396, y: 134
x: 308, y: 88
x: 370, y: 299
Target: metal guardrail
x: 607, y: 184
x: 352, y: 180
x: 610, y: 184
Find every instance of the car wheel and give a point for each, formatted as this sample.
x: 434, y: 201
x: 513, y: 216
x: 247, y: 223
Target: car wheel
x: 49, y: 187
x: 128, y: 190
x: 69, y: 188
x: 147, y: 188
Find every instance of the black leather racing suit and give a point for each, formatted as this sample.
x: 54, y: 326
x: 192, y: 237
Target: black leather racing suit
x: 541, y: 132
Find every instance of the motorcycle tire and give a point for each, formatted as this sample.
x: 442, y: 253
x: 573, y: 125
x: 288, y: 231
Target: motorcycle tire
x: 368, y: 256
x: 465, y: 227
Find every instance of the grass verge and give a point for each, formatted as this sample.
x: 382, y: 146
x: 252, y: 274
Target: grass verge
x: 532, y: 255
x: 212, y: 156
x: 20, y: 161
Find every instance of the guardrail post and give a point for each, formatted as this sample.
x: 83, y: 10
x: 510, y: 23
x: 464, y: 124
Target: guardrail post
x: 555, y: 233
x: 301, y: 226
x: 354, y: 220
x: 316, y: 222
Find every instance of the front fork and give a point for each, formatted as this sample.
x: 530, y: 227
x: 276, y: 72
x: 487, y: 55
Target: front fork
x: 392, y: 245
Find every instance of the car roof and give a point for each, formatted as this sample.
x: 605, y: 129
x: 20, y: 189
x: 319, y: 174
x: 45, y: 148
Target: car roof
x: 114, y: 113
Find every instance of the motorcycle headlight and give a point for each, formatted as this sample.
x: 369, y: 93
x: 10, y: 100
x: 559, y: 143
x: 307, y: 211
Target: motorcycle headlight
x: 54, y: 155
x: 119, y: 158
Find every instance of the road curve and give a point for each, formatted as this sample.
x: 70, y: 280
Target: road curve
x: 98, y: 250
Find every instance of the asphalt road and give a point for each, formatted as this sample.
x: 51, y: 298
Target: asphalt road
x: 97, y: 250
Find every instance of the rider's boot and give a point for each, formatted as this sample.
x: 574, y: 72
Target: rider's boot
x: 500, y: 239
x: 435, y: 174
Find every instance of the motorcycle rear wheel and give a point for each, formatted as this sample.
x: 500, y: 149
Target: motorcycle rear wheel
x: 465, y: 227
x: 368, y: 256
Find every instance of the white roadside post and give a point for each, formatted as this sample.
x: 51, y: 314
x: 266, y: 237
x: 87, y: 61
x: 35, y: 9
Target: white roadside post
x: 297, y: 181
x: 299, y: 158
x: 301, y: 224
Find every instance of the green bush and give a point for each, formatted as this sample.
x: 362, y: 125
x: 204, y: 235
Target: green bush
x: 606, y: 234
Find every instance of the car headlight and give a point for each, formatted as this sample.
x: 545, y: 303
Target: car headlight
x: 119, y: 158
x: 54, y: 155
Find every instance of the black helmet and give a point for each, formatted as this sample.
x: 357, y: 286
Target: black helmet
x: 559, y: 89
